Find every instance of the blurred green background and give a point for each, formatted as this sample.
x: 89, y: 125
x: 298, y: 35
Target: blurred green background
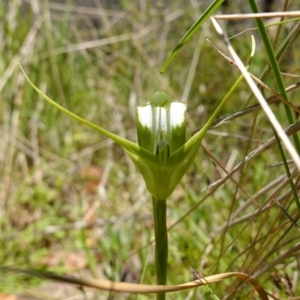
x: 71, y: 201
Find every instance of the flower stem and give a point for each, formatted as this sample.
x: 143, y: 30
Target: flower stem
x: 161, y: 242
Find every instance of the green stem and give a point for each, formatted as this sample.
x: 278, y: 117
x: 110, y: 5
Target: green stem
x: 276, y: 71
x: 275, y: 68
x: 161, y: 242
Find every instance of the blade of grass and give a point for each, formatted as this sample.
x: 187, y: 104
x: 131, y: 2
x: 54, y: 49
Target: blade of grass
x: 275, y: 67
x: 260, y: 98
x: 276, y: 71
x: 208, y: 12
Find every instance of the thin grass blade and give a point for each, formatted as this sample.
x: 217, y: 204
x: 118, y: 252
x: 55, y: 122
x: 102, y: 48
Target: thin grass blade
x: 209, y: 11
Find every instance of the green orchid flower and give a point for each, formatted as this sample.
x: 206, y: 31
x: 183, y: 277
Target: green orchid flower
x: 162, y: 156
x: 161, y: 128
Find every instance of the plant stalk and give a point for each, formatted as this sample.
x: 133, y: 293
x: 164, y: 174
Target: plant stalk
x: 276, y: 71
x: 161, y: 242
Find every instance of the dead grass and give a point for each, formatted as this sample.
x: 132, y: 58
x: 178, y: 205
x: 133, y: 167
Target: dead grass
x: 65, y: 189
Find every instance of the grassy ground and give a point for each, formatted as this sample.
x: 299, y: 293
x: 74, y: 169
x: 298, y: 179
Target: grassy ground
x: 71, y: 201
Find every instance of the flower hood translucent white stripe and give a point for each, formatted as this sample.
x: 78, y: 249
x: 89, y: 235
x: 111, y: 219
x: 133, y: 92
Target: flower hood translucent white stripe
x: 161, y: 122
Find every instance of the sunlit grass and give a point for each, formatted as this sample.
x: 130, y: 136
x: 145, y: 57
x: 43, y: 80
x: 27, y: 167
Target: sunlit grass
x: 56, y: 172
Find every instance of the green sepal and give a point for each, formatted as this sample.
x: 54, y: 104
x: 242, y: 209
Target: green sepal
x: 161, y: 175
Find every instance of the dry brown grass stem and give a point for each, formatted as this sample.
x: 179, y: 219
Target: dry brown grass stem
x: 113, y: 286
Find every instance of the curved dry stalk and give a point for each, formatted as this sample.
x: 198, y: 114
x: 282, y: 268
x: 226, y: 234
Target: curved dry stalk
x: 114, y: 286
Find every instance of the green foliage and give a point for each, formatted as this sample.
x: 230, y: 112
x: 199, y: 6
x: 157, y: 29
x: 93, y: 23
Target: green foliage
x: 56, y: 172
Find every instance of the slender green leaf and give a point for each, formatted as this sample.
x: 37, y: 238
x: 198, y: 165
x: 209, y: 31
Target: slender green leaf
x: 277, y: 74
x: 208, y: 12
